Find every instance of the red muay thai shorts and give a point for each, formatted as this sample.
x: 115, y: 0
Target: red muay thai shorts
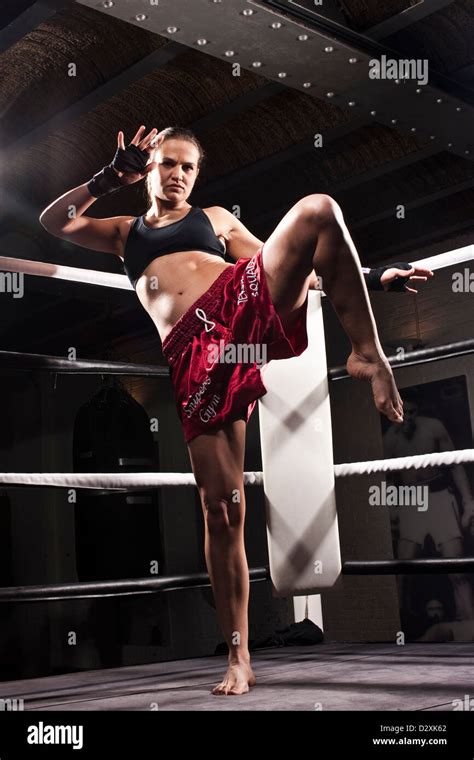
x: 217, y: 348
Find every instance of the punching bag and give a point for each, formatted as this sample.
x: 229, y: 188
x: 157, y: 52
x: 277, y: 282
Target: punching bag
x: 117, y: 533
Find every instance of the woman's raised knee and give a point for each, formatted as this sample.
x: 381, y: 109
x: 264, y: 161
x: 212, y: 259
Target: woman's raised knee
x: 320, y: 209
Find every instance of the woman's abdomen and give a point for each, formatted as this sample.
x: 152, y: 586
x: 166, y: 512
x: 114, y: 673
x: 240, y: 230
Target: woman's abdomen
x: 169, y: 288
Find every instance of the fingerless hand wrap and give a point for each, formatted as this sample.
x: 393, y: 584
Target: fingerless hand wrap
x: 374, y: 277
x: 129, y: 159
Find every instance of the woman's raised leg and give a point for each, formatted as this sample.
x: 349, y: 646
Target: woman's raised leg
x: 314, y: 236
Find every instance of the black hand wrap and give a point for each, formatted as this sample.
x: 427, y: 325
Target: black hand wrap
x: 398, y: 285
x: 129, y: 159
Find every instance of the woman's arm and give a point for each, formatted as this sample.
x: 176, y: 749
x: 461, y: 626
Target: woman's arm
x: 394, y: 277
x: 64, y: 219
x: 240, y: 242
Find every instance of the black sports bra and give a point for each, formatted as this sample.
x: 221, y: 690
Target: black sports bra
x: 194, y: 232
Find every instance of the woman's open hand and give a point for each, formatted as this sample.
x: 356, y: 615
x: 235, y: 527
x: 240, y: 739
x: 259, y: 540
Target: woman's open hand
x: 147, y: 144
x: 420, y: 274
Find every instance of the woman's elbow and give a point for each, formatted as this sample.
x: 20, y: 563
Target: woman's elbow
x: 44, y: 221
x: 49, y: 224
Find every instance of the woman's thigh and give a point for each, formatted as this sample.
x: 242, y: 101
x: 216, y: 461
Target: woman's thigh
x: 217, y: 460
x: 289, y: 251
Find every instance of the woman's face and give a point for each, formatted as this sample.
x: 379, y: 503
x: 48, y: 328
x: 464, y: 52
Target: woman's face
x: 177, y: 165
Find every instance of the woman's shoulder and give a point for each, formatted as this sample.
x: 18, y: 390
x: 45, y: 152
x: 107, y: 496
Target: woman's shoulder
x: 217, y: 210
x: 221, y: 218
x: 126, y: 222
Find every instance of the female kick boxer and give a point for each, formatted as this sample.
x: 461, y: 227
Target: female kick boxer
x: 202, y: 306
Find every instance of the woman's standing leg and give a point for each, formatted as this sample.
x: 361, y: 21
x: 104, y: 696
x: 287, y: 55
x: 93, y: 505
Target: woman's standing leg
x: 217, y: 461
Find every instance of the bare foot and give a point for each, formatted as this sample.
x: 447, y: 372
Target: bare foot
x: 378, y: 371
x: 238, y: 679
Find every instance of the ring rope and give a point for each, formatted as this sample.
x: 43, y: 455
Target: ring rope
x: 62, y: 272
x: 112, y: 280
x: 137, y: 480
x: 418, y: 461
x: 114, y: 481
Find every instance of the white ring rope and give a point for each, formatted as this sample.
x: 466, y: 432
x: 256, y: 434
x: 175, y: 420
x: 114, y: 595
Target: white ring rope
x: 106, y: 480
x: 110, y: 280
x: 60, y: 272
x: 137, y: 480
x: 438, y: 459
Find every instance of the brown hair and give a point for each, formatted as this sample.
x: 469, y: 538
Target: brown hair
x: 178, y: 133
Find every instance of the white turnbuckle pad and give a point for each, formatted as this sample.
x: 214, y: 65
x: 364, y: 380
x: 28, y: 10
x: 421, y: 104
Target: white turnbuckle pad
x: 298, y: 468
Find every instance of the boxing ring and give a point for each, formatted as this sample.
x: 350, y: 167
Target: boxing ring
x: 296, y: 446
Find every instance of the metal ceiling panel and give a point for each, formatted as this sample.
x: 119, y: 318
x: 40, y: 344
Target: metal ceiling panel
x: 290, y: 51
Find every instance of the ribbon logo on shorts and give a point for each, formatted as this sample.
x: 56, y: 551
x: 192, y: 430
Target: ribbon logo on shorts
x: 202, y: 315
